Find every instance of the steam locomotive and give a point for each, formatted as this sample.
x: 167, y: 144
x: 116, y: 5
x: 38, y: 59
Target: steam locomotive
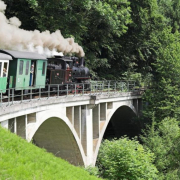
x: 26, y: 70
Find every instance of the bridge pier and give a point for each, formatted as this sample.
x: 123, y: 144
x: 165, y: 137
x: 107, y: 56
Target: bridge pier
x: 21, y: 122
x: 70, y: 114
x: 96, y: 121
x: 137, y: 103
x: 77, y: 120
x: 87, y: 134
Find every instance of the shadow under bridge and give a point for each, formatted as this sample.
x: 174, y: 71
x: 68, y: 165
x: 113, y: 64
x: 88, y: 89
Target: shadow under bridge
x: 123, y: 122
x: 56, y: 137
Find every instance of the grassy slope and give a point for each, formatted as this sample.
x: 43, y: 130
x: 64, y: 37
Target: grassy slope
x: 20, y: 160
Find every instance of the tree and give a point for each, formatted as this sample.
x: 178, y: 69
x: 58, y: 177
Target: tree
x: 170, y: 10
x: 163, y: 139
x: 125, y: 159
x: 22, y: 11
x: 164, y: 97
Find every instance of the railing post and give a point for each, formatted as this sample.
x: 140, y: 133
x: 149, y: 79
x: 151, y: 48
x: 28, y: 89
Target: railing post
x: 83, y: 90
x: 30, y: 94
x: 67, y: 90
x: 75, y: 90
x: 115, y: 87
x: 39, y: 92
x: 9, y: 96
x: 12, y: 95
x: 90, y: 88
x: 103, y: 86
x: 58, y: 91
x: 48, y: 90
x: 1, y: 98
x: 22, y: 95
x: 96, y: 88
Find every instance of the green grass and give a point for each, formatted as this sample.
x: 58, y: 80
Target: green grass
x: 20, y: 160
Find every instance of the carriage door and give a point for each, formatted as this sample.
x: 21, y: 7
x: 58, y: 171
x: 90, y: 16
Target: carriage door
x: 40, y: 73
x: 1, y: 79
x: 23, y: 71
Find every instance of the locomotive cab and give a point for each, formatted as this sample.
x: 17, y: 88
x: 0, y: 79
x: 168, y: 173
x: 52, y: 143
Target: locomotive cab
x: 59, y: 71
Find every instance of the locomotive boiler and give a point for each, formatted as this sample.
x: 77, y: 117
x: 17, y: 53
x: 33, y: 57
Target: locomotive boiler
x: 80, y: 73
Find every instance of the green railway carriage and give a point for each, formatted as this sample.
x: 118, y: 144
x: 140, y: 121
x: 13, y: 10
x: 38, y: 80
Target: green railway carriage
x: 4, y: 67
x: 27, y: 70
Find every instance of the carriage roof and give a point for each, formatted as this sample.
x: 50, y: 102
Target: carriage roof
x: 60, y: 58
x: 5, y: 57
x: 23, y: 55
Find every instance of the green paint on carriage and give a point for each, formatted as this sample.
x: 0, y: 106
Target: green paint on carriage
x: 40, y: 73
x: 3, y: 83
x: 23, y: 74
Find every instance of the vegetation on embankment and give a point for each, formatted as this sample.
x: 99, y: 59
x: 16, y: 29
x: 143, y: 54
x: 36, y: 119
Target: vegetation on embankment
x: 20, y: 160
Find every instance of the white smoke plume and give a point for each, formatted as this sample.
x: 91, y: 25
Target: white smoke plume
x: 14, y: 38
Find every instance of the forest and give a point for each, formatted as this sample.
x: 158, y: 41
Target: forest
x: 125, y: 39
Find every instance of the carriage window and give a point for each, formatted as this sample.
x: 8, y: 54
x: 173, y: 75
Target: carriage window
x: 21, y: 67
x: 44, y: 67
x: 5, y: 69
x: 27, y: 67
x: 0, y: 68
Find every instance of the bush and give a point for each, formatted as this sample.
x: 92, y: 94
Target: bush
x: 92, y: 170
x: 125, y: 159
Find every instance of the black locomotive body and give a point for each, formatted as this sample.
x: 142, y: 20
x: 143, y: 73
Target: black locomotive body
x: 64, y: 70
x: 80, y: 72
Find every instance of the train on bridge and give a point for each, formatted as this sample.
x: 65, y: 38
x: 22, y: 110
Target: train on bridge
x: 27, y: 70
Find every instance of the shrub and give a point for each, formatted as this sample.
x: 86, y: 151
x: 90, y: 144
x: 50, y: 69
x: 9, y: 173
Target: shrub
x: 125, y: 159
x: 92, y: 170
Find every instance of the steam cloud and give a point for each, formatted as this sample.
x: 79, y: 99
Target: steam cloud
x: 14, y: 38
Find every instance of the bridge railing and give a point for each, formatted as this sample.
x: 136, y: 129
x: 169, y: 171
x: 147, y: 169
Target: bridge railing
x: 113, y: 86
x: 13, y: 96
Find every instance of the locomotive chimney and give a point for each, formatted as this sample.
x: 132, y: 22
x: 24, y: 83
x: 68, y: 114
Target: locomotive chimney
x: 82, y: 62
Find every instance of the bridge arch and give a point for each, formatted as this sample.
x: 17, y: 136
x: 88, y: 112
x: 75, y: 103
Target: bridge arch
x: 57, y: 135
x: 119, y: 114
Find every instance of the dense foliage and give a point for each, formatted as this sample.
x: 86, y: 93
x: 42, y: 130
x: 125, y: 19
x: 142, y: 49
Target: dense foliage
x: 125, y: 159
x: 164, y: 97
x: 164, y: 141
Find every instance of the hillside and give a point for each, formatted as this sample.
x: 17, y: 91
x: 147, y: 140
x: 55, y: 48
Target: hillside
x: 24, y: 161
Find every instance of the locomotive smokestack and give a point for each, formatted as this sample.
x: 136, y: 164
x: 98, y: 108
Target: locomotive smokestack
x: 82, y: 62
x: 14, y: 38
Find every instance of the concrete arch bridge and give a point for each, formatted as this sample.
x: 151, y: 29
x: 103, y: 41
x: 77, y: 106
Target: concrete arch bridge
x: 72, y: 127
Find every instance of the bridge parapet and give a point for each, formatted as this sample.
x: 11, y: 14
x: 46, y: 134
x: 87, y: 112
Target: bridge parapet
x: 54, y: 90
